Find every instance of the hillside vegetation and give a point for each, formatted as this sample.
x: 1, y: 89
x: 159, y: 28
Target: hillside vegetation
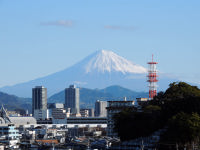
x: 12, y: 102
x: 176, y: 110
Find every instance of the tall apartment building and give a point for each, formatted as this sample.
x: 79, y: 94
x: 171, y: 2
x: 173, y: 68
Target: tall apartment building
x: 39, y: 98
x: 72, y: 99
x: 100, y: 108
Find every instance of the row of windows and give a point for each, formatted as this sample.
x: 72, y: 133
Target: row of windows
x: 9, y: 133
x: 4, y: 128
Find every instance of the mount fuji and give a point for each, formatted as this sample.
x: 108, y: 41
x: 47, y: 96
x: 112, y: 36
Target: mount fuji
x: 99, y: 70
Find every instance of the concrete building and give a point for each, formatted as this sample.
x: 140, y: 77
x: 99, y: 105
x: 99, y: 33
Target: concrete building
x: 72, y: 99
x: 87, y: 112
x: 9, y: 136
x: 84, y: 112
x: 13, y: 113
x: 39, y: 98
x: 141, y: 101
x: 91, y: 112
x: 21, y: 120
x: 17, y: 121
x: 42, y: 114
x: 10, y: 132
x: 55, y: 105
x: 87, y: 120
x: 59, y: 116
x: 100, y: 108
x: 113, y: 108
x: 52, y: 106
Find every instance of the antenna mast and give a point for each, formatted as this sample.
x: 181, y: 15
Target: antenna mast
x: 152, y: 79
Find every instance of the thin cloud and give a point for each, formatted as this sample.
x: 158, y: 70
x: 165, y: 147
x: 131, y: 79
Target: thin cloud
x: 63, y: 23
x: 80, y: 83
x: 113, y: 27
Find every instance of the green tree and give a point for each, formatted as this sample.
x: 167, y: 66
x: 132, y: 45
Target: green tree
x: 181, y: 90
x: 130, y: 124
x: 180, y: 98
x: 183, y: 129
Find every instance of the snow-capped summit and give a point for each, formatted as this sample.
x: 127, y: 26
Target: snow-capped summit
x: 107, y: 61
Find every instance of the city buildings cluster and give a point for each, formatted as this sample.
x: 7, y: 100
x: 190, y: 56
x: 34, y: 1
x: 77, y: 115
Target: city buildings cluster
x: 56, y: 122
x: 57, y: 113
x: 66, y: 125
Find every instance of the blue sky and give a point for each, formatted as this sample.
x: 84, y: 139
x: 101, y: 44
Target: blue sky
x: 40, y: 37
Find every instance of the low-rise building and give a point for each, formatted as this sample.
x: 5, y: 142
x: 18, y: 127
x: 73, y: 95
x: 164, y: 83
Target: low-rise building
x: 41, y: 114
x: 87, y: 112
x: 140, y: 101
x: 88, y: 120
x: 10, y: 136
x: 23, y: 120
x: 10, y: 132
x: 13, y: 113
x: 59, y: 116
x: 84, y: 112
x: 55, y: 105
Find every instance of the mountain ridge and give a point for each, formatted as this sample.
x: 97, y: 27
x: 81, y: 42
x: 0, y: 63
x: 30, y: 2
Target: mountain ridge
x: 89, y: 96
x: 91, y: 73
x: 12, y: 102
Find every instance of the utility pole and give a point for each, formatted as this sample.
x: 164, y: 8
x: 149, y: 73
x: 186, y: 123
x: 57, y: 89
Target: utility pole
x: 193, y: 146
x: 176, y: 146
x: 142, y: 145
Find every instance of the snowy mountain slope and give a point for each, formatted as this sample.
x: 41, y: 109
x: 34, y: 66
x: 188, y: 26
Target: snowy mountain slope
x: 107, y: 61
x: 99, y: 70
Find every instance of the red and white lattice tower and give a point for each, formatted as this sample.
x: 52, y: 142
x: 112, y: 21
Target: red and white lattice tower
x: 152, y: 79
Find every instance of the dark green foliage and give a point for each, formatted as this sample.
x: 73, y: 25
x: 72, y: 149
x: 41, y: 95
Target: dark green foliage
x: 187, y: 105
x: 177, y: 109
x: 152, y: 109
x: 183, y: 128
x: 130, y: 124
x: 179, y: 97
x: 181, y: 90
